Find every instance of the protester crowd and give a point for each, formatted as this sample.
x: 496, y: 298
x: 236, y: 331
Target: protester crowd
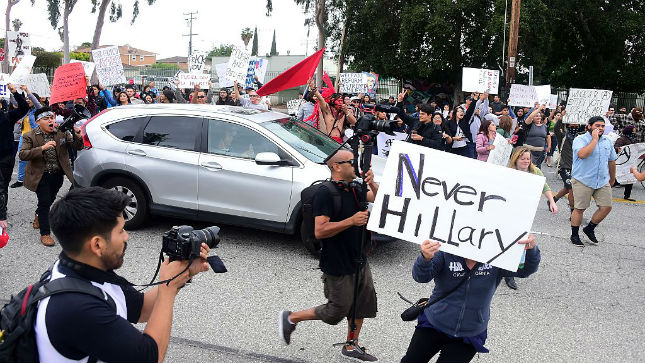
x: 586, y: 165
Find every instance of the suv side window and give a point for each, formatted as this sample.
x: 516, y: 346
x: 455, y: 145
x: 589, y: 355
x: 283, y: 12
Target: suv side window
x: 127, y: 130
x: 229, y: 139
x: 179, y: 132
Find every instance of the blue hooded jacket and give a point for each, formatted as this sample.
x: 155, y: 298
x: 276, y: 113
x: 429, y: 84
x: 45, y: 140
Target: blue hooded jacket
x: 465, y: 312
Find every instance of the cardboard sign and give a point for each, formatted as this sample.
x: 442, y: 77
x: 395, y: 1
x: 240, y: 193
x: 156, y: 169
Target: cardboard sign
x: 19, y: 46
x: 583, y: 104
x: 384, y: 141
x: 527, y: 96
x: 293, y: 105
x: 88, y: 66
x: 196, y: 62
x: 351, y: 83
x: 189, y: 80
x: 220, y: 69
x: 69, y: 83
x: 109, y: 68
x: 480, y: 80
x: 257, y: 67
x: 476, y: 210
x: 238, y: 65
x: 629, y: 156
x: 501, y: 154
x: 553, y: 102
x: 37, y: 83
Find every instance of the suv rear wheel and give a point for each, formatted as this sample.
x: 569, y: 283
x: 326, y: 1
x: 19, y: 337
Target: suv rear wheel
x: 136, y: 212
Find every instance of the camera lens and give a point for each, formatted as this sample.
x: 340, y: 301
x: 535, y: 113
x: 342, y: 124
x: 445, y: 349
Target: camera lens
x: 208, y: 235
x: 381, y: 125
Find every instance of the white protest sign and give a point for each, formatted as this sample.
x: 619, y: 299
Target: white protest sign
x: 629, y: 156
x: 189, y: 80
x: 553, y: 102
x: 476, y: 210
x: 238, y: 65
x: 293, y: 105
x: 19, y: 46
x: 220, y: 69
x: 196, y: 62
x: 87, y: 66
x: 37, y: 83
x: 4, y: 90
x: 109, y: 68
x: 502, y: 151
x: 583, y: 104
x: 352, y: 83
x: 527, y: 96
x: 257, y: 67
x: 384, y: 141
x: 23, y: 66
x: 480, y: 80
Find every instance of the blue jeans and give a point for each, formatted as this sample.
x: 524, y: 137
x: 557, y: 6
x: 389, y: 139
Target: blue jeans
x: 21, y: 164
x: 537, y: 157
x: 554, y: 145
x: 470, y: 150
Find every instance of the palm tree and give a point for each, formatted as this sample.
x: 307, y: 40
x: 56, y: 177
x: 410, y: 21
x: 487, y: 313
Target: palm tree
x: 247, y: 34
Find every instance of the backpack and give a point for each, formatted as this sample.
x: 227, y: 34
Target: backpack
x: 17, y: 318
x: 307, y: 227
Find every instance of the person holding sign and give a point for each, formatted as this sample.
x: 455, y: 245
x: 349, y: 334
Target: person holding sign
x: 341, y: 235
x: 639, y: 176
x: 456, y: 325
x: 537, y: 137
x: 594, y: 172
x: 252, y: 102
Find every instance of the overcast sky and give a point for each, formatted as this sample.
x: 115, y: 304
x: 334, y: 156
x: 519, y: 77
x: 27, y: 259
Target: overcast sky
x: 159, y: 28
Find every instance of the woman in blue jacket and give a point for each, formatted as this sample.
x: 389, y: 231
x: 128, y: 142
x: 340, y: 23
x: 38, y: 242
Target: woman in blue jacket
x: 456, y: 326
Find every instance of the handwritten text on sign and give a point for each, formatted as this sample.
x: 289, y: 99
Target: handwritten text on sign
x: 238, y: 65
x: 189, y: 80
x: 527, y: 96
x: 69, y: 83
x: 196, y: 62
x: 629, y: 156
x: 501, y: 153
x: 583, y: 104
x: 476, y: 210
x: 108, y: 64
x: 480, y: 80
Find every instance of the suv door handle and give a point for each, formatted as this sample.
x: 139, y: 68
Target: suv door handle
x: 137, y: 152
x: 211, y: 165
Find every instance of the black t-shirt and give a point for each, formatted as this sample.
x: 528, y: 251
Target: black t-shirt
x: 340, y: 252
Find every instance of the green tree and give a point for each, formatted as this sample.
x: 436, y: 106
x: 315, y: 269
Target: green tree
x: 254, y: 48
x: 274, y: 50
x: 80, y: 56
x: 50, y: 60
x: 116, y: 12
x: 223, y: 50
x: 16, y: 23
x: 54, y: 9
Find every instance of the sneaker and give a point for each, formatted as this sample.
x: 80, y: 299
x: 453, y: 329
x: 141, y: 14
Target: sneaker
x: 575, y: 240
x: 510, y: 281
x: 285, y: 328
x: 630, y: 199
x: 358, y: 354
x: 17, y: 184
x: 590, y: 234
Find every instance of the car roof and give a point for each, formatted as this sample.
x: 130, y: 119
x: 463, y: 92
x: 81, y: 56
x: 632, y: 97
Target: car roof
x: 253, y: 115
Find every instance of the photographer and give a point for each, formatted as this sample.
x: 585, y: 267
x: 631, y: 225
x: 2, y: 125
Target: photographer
x: 88, y: 222
x: 45, y: 149
x: 423, y: 131
x: 341, y: 245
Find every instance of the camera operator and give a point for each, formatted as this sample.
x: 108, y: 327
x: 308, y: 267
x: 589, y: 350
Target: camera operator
x: 423, y: 131
x: 341, y: 245
x: 88, y: 223
x: 45, y: 149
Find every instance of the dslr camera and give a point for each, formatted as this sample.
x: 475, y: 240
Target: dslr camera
x: 78, y: 113
x: 184, y: 242
x: 368, y: 121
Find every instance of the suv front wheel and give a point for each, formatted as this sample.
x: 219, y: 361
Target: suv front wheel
x: 136, y: 212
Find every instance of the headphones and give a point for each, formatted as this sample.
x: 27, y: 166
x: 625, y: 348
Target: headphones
x: 341, y: 184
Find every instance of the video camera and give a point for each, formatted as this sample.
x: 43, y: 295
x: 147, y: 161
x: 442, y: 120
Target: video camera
x: 77, y: 113
x: 184, y: 243
x: 368, y: 121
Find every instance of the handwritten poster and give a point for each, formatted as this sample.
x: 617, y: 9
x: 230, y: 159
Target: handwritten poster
x: 475, y: 210
x: 480, y: 80
x: 37, y: 83
x: 384, y: 141
x: 238, y: 65
x: 88, y: 66
x: 69, y: 83
x: 109, y: 68
x: 583, y: 104
x: 196, y: 62
x: 189, y: 80
x: 527, y: 96
x: 501, y: 154
x: 629, y: 156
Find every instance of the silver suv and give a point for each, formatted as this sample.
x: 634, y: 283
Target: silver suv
x: 211, y: 163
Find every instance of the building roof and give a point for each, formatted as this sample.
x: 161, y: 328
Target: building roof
x: 123, y: 49
x: 175, y: 59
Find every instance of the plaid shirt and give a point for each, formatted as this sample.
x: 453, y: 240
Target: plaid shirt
x: 51, y: 158
x: 620, y: 121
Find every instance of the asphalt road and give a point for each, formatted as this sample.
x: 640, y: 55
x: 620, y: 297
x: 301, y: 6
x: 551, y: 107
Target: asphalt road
x: 583, y: 305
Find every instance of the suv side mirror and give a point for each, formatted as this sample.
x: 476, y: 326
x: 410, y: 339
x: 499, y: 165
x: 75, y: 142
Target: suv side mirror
x: 268, y: 158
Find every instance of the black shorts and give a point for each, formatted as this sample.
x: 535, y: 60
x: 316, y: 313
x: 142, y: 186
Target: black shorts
x: 565, y: 175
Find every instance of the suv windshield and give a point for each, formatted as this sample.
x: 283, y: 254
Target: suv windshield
x: 310, y: 142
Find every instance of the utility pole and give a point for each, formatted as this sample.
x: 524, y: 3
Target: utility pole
x: 190, y: 35
x: 511, y: 63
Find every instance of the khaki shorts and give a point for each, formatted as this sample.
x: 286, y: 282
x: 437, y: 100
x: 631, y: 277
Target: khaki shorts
x: 339, y: 290
x: 582, y: 195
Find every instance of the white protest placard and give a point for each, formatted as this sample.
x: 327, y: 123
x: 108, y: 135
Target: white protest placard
x: 19, y: 46
x: 108, y: 64
x: 480, y: 80
x: 553, y: 102
x: 527, y: 96
x: 196, y: 62
x: 476, y: 210
x: 4, y: 90
x: 583, y: 104
x: 501, y: 154
x: 629, y: 156
x: 189, y: 80
x: 257, y: 67
x: 293, y: 105
x: 352, y: 83
x: 37, y: 83
x: 224, y: 82
x: 23, y: 66
x: 384, y: 141
x: 238, y: 65
x: 87, y: 66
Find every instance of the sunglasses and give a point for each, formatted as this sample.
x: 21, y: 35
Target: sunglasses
x: 254, y: 96
x: 350, y: 162
x: 201, y: 96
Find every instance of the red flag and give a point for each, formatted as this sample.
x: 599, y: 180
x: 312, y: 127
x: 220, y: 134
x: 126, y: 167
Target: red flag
x: 294, y: 76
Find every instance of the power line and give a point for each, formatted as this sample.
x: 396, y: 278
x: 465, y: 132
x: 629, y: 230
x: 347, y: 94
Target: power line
x: 190, y: 35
